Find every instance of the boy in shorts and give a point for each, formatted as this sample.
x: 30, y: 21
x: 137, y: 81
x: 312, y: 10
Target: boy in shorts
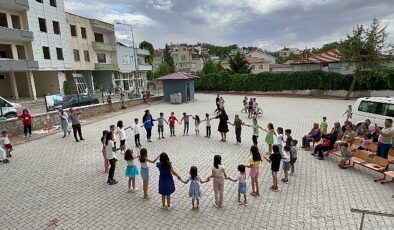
x: 160, y: 125
x: 293, y: 156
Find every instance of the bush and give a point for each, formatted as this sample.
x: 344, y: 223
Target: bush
x: 302, y: 80
x: 67, y: 88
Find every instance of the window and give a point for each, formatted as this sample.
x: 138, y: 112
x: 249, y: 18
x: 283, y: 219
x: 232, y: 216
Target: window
x: 76, y: 55
x: 52, y: 3
x: 2, y: 77
x: 16, y: 22
x: 56, y: 28
x: 86, y: 55
x: 98, y: 37
x: 21, y: 52
x: 101, y: 58
x: 253, y: 67
x: 261, y: 67
x: 40, y: 1
x: 73, y: 30
x: 43, y: 25
x: 368, y: 106
x: 385, y: 109
x: 59, y: 52
x: 45, y: 50
x: 83, y: 32
x: 3, y: 20
x: 183, y: 57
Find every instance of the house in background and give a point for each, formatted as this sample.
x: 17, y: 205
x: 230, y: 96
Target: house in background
x: 157, y: 59
x: 262, y: 55
x: 186, y: 59
x: 257, y: 65
x: 16, y: 53
x: 286, y: 52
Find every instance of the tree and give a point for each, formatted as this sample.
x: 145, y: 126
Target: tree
x: 362, y: 50
x: 148, y: 46
x: 168, y: 58
x: 164, y: 69
x: 209, y: 67
x: 238, y: 64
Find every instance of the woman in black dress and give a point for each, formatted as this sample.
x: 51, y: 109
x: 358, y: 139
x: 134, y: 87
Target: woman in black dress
x: 223, y: 126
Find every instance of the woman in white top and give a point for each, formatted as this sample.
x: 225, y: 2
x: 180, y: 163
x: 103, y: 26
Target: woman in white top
x: 218, y: 175
x: 111, y: 156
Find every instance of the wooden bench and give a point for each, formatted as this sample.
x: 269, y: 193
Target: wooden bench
x: 360, y: 158
x: 387, y: 173
x: 390, y: 157
x: 372, y: 149
x: 379, y: 164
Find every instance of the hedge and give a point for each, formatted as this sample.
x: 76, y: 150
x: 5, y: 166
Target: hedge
x: 302, y: 80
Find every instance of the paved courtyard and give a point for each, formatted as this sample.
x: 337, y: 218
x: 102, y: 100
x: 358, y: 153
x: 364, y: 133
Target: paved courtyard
x: 55, y: 183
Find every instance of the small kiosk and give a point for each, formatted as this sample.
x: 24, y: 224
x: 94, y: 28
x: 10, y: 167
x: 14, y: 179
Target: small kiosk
x: 178, y: 83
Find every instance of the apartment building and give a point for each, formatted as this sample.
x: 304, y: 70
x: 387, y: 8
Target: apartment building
x: 16, y: 54
x: 47, y: 21
x: 186, y: 59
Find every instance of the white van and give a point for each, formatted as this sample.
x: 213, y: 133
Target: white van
x: 8, y: 109
x: 376, y: 109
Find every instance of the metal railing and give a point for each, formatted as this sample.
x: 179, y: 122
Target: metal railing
x: 365, y: 212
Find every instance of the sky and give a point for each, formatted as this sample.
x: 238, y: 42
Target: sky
x: 267, y: 24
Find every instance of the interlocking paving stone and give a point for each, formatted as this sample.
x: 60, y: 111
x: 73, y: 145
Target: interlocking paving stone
x: 54, y: 178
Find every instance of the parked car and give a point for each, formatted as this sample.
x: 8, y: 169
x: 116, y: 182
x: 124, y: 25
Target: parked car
x: 75, y: 100
x: 8, y: 109
x: 376, y: 109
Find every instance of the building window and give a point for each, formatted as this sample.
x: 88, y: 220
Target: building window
x: 183, y: 57
x: 59, y: 52
x: 83, y: 32
x: 52, y: 3
x: 3, y: 20
x: 98, y: 37
x: 16, y: 22
x: 76, y: 54
x: 261, y: 67
x: 45, y: 50
x: 40, y: 1
x: 101, y: 58
x: 86, y: 55
x: 43, y: 25
x: 2, y: 76
x: 56, y: 27
x: 21, y: 52
x: 73, y: 30
x: 253, y: 67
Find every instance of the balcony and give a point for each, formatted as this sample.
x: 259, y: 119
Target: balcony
x: 101, y: 25
x: 18, y: 65
x: 144, y: 67
x: 99, y: 46
x: 15, y: 34
x: 105, y: 66
x: 142, y: 52
x: 19, y: 5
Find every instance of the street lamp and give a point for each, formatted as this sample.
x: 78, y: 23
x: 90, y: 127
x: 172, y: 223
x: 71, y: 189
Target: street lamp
x: 134, y: 53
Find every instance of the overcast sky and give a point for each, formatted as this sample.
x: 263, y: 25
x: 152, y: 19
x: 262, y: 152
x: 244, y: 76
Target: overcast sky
x: 268, y: 24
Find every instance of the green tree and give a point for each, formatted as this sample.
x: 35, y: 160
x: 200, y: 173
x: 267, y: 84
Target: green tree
x: 169, y: 59
x: 362, y: 50
x: 164, y: 69
x: 148, y: 46
x: 238, y: 64
x: 67, y: 88
x: 209, y: 67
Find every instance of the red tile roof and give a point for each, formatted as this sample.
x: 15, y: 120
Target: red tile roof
x: 177, y: 76
x: 158, y: 53
x: 332, y: 56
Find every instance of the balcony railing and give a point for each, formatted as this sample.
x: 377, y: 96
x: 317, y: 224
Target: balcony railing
x: 16, y: 34
x: 15, y: 4
x: 21, y: 65
x: 105, y: 66
x: 99, y: 46
x: 145, y: 67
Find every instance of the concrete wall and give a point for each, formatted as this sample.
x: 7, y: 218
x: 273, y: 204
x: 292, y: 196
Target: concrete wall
x: 22, y: 84
x: 47, y: 82
x: 178, y: 86
x: 14, y: 126
x: 306, y: 67
x: 5, y: 85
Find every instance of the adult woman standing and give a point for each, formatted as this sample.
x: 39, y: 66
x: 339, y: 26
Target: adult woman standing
x: 64, y: 120
x: 148, y: 124
x: 223, y: 126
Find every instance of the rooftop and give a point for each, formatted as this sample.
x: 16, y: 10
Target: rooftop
x: 177, y: 76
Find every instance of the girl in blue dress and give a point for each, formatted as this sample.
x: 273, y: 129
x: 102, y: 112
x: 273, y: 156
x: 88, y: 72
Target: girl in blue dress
x: 166, y: 181
x: 194, y: 190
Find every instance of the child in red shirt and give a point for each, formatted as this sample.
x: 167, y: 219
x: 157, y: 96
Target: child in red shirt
x: 27, y: 122
x: 171, y: 121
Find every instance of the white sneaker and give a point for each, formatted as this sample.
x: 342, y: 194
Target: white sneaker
x: 169, y: 207
x: 135, y: 190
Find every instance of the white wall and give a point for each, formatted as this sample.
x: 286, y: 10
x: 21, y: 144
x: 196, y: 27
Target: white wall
x: 44, y: 10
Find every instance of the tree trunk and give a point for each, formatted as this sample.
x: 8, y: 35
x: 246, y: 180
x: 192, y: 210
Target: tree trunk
x: 355, y: 78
